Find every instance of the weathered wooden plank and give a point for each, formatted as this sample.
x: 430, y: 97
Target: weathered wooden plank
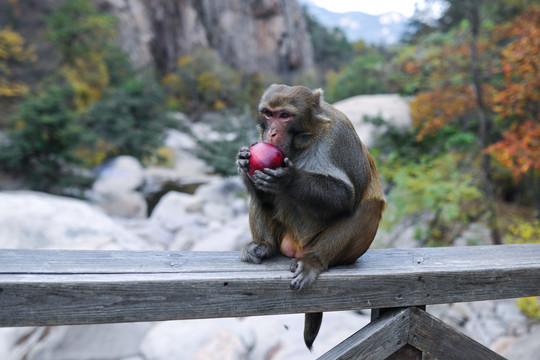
x: 376, y: 261
x: 376, y: 341
x: 440, y: 340
x: 407, y: 352
x: 23, y: 261
x: 81, y: 287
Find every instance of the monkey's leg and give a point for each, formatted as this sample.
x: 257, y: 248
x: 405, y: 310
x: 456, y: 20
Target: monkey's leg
x: 341, y: 243
x: 264, y: 231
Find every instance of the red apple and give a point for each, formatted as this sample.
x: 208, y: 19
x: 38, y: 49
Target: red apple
x: 264, y: 156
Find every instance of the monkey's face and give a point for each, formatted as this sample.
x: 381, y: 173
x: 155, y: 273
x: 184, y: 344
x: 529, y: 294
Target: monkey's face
x: 274, y: 124
x: 284, y: 113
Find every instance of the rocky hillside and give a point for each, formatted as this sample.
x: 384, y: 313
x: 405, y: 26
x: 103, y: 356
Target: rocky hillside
x: 267, y: 36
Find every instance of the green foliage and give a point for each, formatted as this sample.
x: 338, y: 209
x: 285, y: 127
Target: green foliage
x: 526, y: 232
x: 331, y: 49
x: 365, y: 75
x: 433, y: 186
x: 43, y: 141
x: 129, y: 120
x: 427, y: 178
x: 13, y: 52
x: 83, y: 36
x: 77, y: 29
x: 202, y: 83
x: 530, y: 306
x: 234, y: 132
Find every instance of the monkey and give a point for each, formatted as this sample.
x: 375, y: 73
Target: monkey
x: 322, y: 208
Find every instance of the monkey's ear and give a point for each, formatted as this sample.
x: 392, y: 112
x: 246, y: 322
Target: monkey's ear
x: 317, y: 98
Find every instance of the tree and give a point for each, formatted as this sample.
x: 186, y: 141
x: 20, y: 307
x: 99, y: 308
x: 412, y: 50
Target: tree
x: 82, y: 36
x: 331, y: 49
x: 128, y: 120
x: 43, y: 141
x: 201, y: 83
x: 13, y: 54
x: 486, y: 123
x: 516, y: 101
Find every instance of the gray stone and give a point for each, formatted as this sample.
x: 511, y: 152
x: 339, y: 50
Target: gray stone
x: 183, y: 339
x: 177, y: 28
x: 391, y: 107
x: 222, y: 346
x: 129, y: 204
x: 527, y: 348
x: 122, y: 174
x: 88, y: 342
x: 30, y: 220
x: 170, y: 213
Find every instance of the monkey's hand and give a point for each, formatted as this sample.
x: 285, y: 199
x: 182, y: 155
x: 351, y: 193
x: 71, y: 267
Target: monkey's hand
x: 304, y: 274
x: 254, y: 252
x: 274, y: 180
x: 242, y: 160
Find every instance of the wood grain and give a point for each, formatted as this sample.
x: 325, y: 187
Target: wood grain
x: 55, y: 287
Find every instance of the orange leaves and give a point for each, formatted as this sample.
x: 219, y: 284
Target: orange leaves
x: 519, y: 97
x: 430, y: 111
x: 520, y: 62
x: 520, y: 148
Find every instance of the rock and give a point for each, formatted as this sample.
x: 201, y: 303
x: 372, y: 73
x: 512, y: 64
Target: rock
x: 392, y: 107
x: 122, y: 174
x: 170, y: 213
x: 88, y: 342
x: 528, y: 347
x: 177, y: 140
x: 155, y: 236
x: 129, y: 204
x: 242, y: 33
x: 223, y: 346
x: 114, y: 189
x: 32, y: 220
x: 221, y: 190
x: 229, y: 237
x: 189, y: 336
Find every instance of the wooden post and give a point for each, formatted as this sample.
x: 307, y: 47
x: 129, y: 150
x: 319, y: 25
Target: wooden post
x: 407, y: 352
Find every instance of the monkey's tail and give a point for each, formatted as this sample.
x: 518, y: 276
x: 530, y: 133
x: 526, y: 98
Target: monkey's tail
x: 312, y: 324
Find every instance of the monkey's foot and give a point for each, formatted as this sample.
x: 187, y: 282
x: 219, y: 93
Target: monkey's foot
x: 304, y: 274
x: 254, y: 253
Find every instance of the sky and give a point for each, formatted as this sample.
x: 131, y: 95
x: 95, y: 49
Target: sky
x: 373, y: 7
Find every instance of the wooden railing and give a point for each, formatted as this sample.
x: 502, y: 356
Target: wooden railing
x: 59, y: 287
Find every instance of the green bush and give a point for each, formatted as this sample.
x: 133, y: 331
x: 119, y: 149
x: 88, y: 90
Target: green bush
x: 432, y: 177
x: 201, y: 83
x: 365, y: 75
x: 129, y: 120
x: 83, y: 36
x: 235, y: 132
x: 43, y: 141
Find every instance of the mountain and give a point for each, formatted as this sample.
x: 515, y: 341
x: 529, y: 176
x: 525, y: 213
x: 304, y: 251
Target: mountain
x: 382, y: 29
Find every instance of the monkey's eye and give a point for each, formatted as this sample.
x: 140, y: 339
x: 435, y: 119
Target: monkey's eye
x: 284, y: 115
x: 267, y: 113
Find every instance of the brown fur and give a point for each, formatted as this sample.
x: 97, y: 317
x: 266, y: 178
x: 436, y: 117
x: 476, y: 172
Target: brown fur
x: 324, y: 207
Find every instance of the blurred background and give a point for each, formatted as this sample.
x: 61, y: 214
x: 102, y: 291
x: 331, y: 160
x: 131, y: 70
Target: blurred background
x: 120, y: 121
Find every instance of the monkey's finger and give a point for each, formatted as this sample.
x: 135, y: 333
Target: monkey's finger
x: 277, y: 173
x: 242, y: 163
x: 244, y: 154
x: 288, y: 163
x: 303, y: 277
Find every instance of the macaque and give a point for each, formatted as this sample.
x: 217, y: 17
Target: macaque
x: 323, y: 207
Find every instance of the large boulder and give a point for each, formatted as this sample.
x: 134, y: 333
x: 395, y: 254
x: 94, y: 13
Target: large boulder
x: 391, y: 107
x: 115, y: 189
x: 31, y: 220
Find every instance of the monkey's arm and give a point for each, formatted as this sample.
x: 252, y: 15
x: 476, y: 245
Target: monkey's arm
x: 327, y: 194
